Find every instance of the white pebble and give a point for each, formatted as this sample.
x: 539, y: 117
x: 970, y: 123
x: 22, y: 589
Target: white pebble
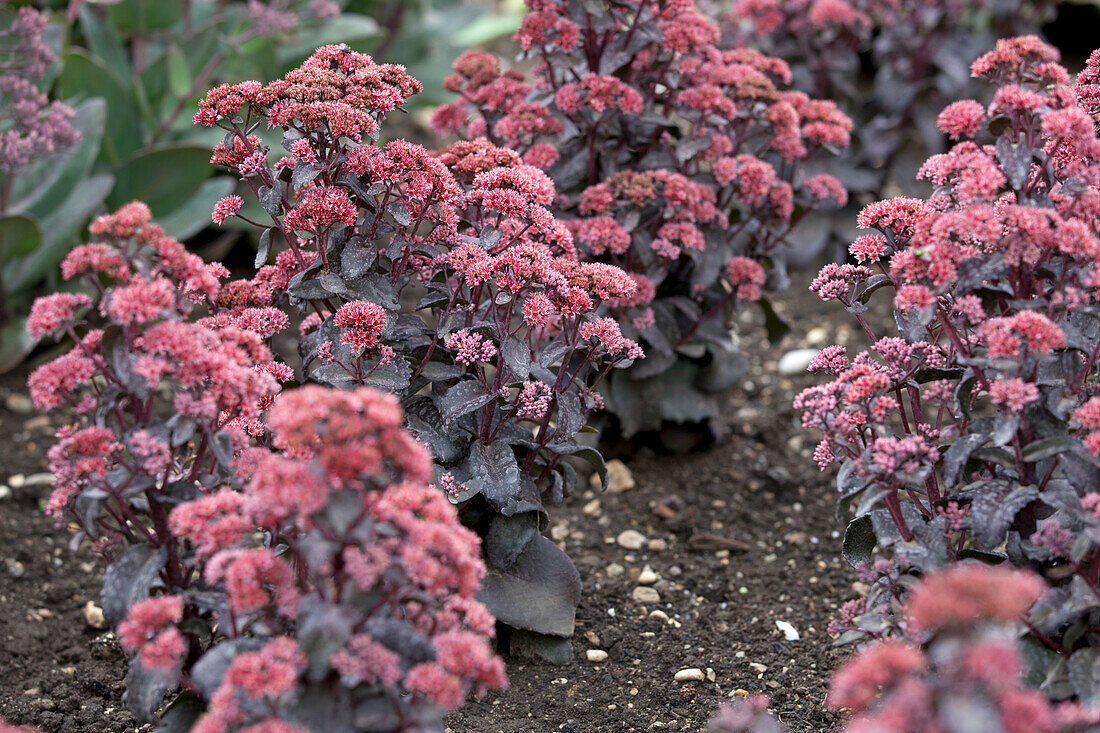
x: 631, y: 539
x: 596, y: 655
x: 795, y: 362
x: 692, y: 674
x: 790, y: 633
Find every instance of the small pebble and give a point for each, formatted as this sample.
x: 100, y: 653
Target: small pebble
x: 790, y: 633
x: 657, y: 545
x: 93, y: 616
x: 619, y: 477
x: 631, y: 539
x: 5, y: 492
x: 758, y: 667
x: 15, y: 568
x: 42, y: 422
x: 614, y: 570
x: 711, y: 676
x: 642, y: 594
x: 647, y: 576
x: 659, y: 615
x: 691, y: 674
x: 20, y: 403
x: 796, y: 362
x: 592, y: 508
x: 817, y: 336
x: 596, y: 655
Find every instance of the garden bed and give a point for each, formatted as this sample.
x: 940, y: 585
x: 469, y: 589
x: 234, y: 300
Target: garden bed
x: 757, y: 489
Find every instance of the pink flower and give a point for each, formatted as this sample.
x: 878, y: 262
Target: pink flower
x: 362, y: 322
x: 899, y: 215
x: 435, y: 684
x: 55, y: 380
x: 140, y: 301
x: 321, y: 207
x: 98, y: 258
x: 1013, y: 394
x: 212, y: 523
x: 746, y: 276
x: 533, y: 401
x: 226, y: 208
x: 878, y: 666
x: 253, y: 579
x: 148, y: 629
x: 51, y: 312
x: 914, y: 297
x: 961, y: 119
x: 537, y: 310
x: 607, y: 333
x: 368, y: 661
x: 471, y: 347
x: 832, y: 359
x: 963, y: 594
x: 868, y: 248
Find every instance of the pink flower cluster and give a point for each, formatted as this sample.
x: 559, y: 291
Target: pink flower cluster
x: 743, y: 131
x: 988, y: 214
x: 32, y: 127
x: 898, y: 686
x: 344, y: 454
x: 217, y: 371
x: 337, y: 88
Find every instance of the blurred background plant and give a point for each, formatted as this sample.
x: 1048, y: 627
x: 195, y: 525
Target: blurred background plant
x: 126, y: 75
x: 891, y: 65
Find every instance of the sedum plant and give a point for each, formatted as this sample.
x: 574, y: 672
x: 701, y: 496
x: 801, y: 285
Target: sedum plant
x: 970, y: 431
x: 955, y: 666
x: 129, y: 69
x: 280, y: 570
x: 890, y: 64
x: 687, y: 165
x: 36, y: 133
x: 448, y: 282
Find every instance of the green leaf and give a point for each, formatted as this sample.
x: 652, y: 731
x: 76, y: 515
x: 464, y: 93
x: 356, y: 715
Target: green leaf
x: 162, y: 178
x: 487, y: 27
x: 60, y: 229
x: 15, y: 344
x: 193, y: 215
x: 179, y: 76
x: 345, y: 28
x: 19, y: 235
x: 87, y: 77
x: 140, y: 17
x: 102, y: 39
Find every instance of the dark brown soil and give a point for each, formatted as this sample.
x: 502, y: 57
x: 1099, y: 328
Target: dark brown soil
x: 56, y: 671
x: 758, y: 488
